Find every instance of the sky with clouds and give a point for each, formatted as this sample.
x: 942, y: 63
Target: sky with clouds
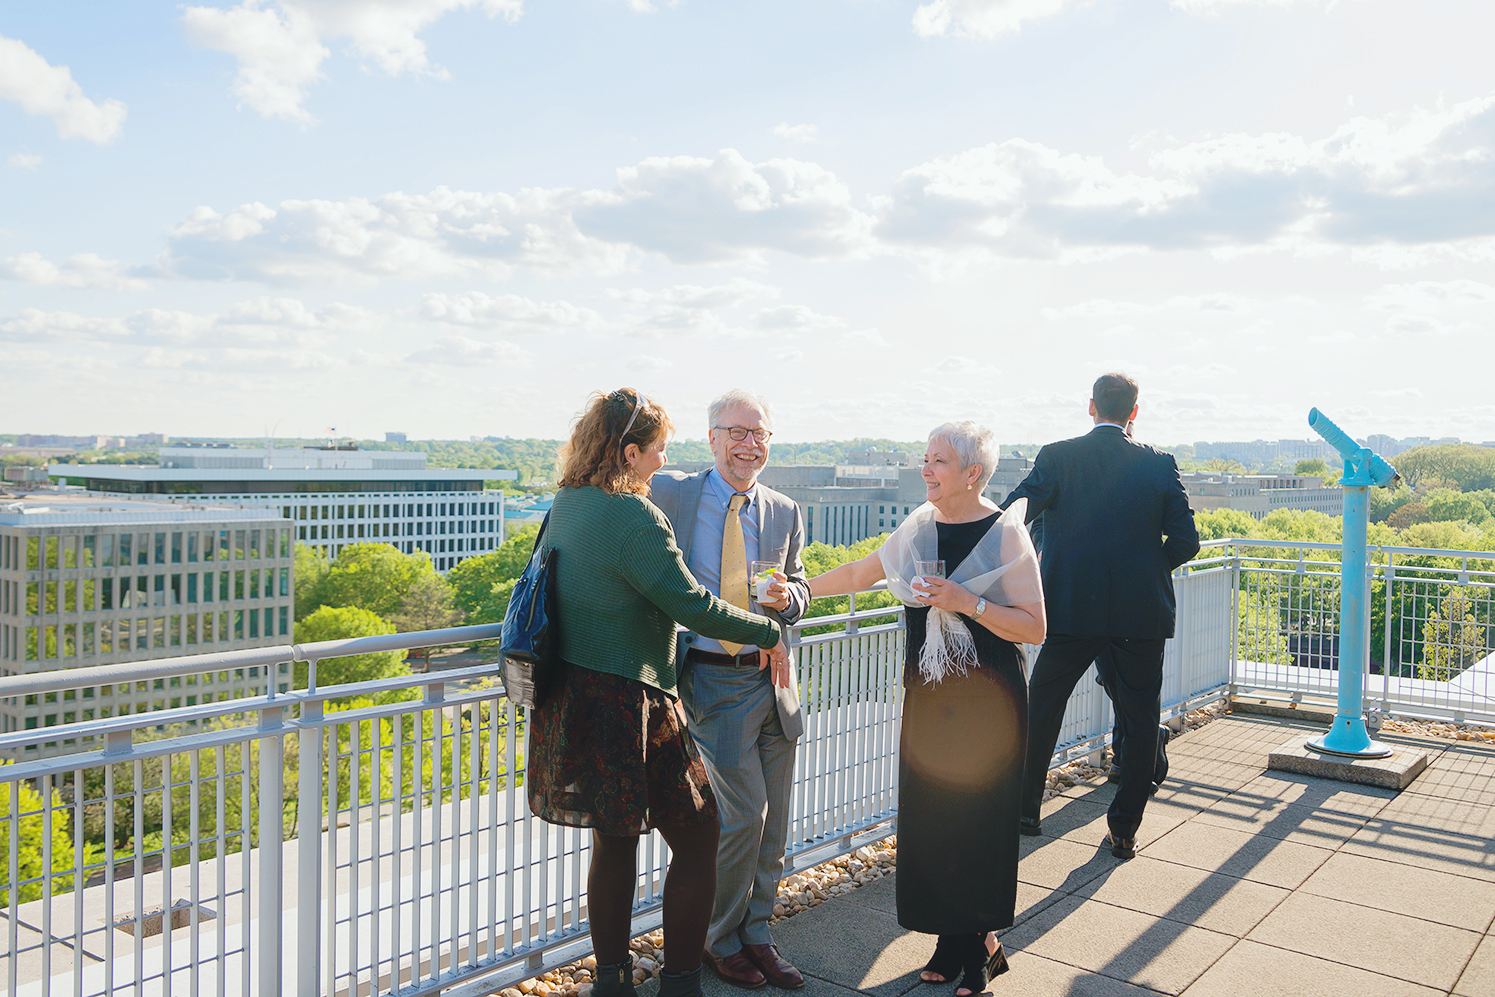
x: 458, y: 217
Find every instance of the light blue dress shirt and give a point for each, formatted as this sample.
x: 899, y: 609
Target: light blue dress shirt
x: 705, y: 556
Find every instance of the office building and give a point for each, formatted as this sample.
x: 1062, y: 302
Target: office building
x: 843, y: 504
x: 1260, y: 494
x: 334, y: 495
x: 90, y: 582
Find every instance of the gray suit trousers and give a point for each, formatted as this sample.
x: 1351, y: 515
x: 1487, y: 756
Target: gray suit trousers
x: 735, y: 723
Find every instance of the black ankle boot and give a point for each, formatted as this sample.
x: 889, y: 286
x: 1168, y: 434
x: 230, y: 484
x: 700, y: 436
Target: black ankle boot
x: 614, y: 980
x: 683, y: 985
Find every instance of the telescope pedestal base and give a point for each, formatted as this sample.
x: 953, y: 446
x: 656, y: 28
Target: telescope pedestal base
x: 1395, y: 772
x: 1372, y: 749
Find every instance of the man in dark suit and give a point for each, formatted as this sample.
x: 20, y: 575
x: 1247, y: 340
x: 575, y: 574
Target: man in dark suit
x: 1107, y: 504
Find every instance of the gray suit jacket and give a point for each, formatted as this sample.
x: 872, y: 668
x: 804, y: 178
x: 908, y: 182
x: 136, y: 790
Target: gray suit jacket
x: 781, y: 537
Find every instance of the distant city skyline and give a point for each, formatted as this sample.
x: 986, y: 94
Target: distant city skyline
x: 1309, y: 446
x: 459, y: 217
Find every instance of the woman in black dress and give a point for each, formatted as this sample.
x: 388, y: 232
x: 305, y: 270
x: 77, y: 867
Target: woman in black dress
x: 965, y: 704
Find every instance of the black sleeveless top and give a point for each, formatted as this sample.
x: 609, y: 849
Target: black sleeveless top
x: 956, y: 541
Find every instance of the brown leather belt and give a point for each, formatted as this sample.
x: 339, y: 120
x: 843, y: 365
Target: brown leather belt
x: 749, y: 658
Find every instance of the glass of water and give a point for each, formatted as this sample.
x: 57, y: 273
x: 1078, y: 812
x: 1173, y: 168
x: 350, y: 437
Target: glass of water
x: 762, y: 577
x: 928, y: 569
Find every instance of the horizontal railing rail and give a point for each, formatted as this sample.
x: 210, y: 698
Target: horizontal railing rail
x: 146, y: 671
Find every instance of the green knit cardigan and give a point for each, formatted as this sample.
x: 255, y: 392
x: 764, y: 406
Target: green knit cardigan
x: 622, y: 584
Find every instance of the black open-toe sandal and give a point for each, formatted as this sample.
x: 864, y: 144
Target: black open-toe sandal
x: 980, y: 967
x: 945, y: 962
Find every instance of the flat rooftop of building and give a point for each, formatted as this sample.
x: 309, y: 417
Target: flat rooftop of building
x: 56, y: 507
x: 150, y: 472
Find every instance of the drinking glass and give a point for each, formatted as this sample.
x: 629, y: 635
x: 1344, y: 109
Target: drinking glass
x: 929, y: 569
x: 762, y: 576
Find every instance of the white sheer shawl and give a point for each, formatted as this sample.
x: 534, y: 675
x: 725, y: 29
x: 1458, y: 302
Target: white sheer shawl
x: 1003, y: 567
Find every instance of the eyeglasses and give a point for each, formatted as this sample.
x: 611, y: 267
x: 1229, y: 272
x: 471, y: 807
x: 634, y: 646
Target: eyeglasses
x: 739, y: 434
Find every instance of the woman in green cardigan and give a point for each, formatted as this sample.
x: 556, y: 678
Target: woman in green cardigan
x: 608, y: 748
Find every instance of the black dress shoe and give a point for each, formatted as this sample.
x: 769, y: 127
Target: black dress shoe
x: 1122, y: 848
x: 1160, y: 765
x: 1032, y: 828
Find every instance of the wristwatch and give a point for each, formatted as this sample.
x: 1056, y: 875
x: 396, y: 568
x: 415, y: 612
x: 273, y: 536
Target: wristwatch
x: 980, y: 608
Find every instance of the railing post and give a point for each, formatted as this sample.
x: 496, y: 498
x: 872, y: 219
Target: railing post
x: 1388, y: 596
x: 271, y: 850
x: 309, y: 851
x: 1235, y: 620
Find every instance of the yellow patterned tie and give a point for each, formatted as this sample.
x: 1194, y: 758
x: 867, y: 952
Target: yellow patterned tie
x: 734, y: 563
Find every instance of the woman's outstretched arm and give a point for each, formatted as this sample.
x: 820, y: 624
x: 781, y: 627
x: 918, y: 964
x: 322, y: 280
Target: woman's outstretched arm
x: 856, y: 576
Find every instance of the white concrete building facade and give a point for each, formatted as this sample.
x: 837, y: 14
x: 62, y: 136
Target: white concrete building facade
x: 85, y: 582
x: 334, y: 496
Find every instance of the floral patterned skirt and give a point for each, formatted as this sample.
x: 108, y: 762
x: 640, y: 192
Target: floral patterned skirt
x: 614, y: 754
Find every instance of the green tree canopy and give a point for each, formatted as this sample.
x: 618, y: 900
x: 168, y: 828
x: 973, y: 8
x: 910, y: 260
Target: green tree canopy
x: 1303, y: 525
x: 372, y: 576
x: 338, y: 623
x: 1446, y: 504
x: 29, y: 839
x: 427, y: 606
x: 1312, y: 465
x: 1469, y: 467
x: 1220, y: 524
x: 311, y: 569
x: 473, y: 579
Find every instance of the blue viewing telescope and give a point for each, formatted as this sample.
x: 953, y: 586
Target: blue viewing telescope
x: 1379, y: 472
x: 1362, y: 469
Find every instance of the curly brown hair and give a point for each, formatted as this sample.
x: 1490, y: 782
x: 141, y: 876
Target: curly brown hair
x: 594, y: 454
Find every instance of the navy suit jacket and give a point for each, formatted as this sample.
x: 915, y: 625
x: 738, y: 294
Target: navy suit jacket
x: 1107, y: 504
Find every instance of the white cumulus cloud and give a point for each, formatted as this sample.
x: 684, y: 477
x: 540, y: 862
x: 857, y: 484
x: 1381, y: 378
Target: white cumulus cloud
x: 1216, y: 6
x: 82, y: 270
x: 256, y: 324
x: 507, y: 311
x: 689, y: 210
x: 462, y: 351
x: 1420, y: 178
x: 981, y: 18
x: 797, y: 133
x: 41, y: 88
x: 734, y: 292
x: 697, y: 210
x: 445, y: 232
x: 24, y: 161
x: 280, y: 44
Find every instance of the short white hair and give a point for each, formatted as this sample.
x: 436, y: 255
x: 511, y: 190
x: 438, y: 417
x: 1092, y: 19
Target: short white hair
x: 973, y: 443
x: 737, y: 396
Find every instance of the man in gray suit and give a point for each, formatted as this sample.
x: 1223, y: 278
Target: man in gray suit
x: 745, y: 719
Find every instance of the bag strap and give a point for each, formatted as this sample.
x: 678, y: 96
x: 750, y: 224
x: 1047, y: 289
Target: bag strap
x: 541, y: 535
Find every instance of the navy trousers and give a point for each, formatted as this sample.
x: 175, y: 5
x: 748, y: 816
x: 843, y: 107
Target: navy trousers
x: 1136, y: 686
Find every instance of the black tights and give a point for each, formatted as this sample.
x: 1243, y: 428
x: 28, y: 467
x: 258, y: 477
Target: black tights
x: 689, y: 890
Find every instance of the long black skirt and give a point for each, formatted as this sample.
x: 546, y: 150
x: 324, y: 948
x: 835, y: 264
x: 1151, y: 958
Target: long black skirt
x: 960, y: 778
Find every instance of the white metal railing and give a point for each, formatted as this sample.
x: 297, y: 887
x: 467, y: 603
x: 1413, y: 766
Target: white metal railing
x: 1432, y: 627
x: 375, y: 838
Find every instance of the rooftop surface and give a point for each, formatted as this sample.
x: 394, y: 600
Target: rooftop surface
x: 1245, y: 882
x: 52, y: 507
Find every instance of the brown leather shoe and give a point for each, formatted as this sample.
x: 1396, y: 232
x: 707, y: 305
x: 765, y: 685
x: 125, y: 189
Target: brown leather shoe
x: 778, y: 969
x: 736, y: 969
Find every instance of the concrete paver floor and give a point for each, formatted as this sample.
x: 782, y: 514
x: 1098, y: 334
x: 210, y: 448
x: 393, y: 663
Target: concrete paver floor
x: 1245, y: 882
